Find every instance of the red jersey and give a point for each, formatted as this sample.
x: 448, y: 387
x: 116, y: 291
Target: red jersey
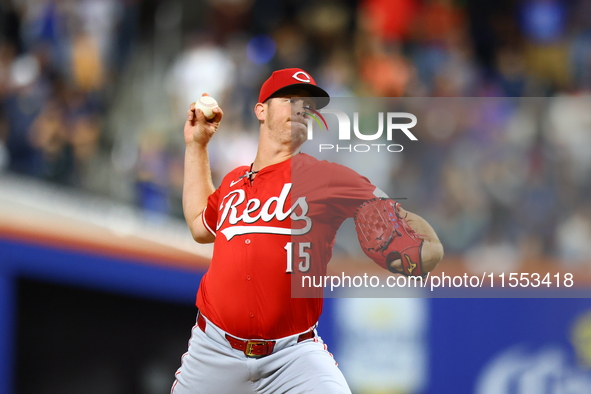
x: 281, y: 224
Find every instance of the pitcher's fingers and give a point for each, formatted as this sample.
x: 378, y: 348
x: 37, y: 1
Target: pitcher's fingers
x: 218, y: 114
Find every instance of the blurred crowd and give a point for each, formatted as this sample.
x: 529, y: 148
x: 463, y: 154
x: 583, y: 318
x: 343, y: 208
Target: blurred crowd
x: 58, y: 59
x: 67, y: 68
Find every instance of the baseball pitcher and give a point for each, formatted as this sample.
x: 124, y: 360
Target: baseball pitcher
x: 251, y: 335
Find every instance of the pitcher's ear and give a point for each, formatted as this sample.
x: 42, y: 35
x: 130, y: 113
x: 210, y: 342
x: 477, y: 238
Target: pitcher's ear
x: 260, y: 110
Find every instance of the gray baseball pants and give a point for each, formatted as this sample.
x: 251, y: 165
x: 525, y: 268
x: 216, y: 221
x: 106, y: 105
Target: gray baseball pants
x: 211, y: 366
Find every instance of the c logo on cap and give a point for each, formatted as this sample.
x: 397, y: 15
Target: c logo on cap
x: 306, y: 78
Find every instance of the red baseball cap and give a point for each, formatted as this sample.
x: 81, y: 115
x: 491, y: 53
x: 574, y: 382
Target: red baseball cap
x: 281, y: 80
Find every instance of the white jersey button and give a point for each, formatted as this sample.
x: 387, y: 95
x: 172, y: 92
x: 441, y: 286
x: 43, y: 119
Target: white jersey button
x: 247, y: 241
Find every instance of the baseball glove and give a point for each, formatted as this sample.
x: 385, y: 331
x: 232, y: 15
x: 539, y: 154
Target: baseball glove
x: 385, y: 236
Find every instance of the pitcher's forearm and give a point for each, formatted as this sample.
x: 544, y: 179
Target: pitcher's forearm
x: 198, y: 184
x: 432, y: 251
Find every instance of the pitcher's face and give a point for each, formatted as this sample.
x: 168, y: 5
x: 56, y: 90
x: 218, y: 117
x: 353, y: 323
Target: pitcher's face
x: 286, y: 118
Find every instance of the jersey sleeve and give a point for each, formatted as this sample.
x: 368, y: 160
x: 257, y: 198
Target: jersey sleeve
x: 210, y: 213
x: 347, y: 190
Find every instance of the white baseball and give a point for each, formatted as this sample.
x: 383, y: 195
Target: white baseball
x: 206, y: 104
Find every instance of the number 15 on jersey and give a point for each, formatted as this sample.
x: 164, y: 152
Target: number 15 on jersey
x: 300, y: 249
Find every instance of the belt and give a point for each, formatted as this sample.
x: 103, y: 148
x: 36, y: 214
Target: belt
x: 253, y: 347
